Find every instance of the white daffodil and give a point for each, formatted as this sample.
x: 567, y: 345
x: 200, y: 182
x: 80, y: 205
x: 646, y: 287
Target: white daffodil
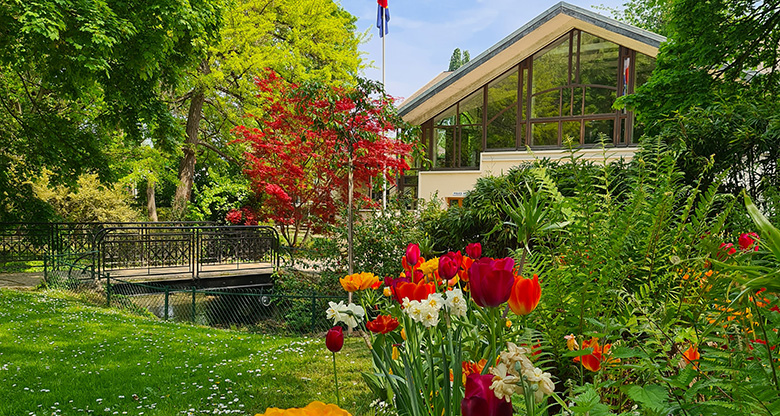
x: 456, y: 303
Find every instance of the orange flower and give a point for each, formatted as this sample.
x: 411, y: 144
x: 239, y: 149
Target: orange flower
x: 593, y: 360
x: 470, y: 367
x: 525, y: 296
x: 382, y: 324
x: 414, y: 291
x: 692, y: 356
x: 312, y: 409
x: 358, y: 281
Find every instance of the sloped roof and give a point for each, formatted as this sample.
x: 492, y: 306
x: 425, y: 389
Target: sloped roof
x: 531, y: 37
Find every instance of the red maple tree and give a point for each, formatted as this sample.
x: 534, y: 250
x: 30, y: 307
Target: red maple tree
x: 298, y: 156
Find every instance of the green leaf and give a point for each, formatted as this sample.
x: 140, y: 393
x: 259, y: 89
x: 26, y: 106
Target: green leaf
x: 770, y: 236
x: 653, y: 396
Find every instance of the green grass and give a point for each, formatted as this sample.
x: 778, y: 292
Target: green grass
x: 33, y: 266
x: 59, y: 356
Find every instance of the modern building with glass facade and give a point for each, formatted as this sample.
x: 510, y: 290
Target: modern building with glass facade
x: 551, y: 82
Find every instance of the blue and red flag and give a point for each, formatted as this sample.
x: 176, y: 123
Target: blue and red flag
x: 382, y: 17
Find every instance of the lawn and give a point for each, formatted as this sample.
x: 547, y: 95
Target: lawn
x: 60, y: 356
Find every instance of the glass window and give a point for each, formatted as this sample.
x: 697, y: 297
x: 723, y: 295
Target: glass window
x: 470, y: 146
x: 502, y: 94
x: 644, y: 67
x: 598, y: 61
x: 595, y: 128
x: 447, y: 118
x: 599, y: 100
x: 444, y: 145
x: 544, y: 134
x: 546, y: 104
x: 571, y: 132
x: 551, y: 66
x: 501, y: 132
x: 471, y: 108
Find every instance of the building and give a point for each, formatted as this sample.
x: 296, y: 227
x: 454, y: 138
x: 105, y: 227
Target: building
x: 555, y: 79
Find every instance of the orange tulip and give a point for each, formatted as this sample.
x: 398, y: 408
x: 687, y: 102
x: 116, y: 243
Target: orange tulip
x: 414, y: 291
x: 359, y: 281
x: 525, y: 295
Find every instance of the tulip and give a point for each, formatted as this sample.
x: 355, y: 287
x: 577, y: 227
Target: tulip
x: 414, y: 291
x: 412, y: 254
x: 382, y: 324
x: 479, y: 400
x: 746, y: 241
x: 334, y: 340
x: 474, y: 250
x: 491, y: 281
x: 449, y: 265
x: 525, y: 295
x: 313, y: 408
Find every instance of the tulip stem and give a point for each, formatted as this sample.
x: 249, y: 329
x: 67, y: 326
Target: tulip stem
x: 336, y: 379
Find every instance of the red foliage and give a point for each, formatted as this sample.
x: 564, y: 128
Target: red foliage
x: 298, y: 156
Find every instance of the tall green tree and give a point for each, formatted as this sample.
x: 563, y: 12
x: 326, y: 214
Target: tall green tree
x: 76, y: 75
x: 302, y: 41
x: 458, y: 59
x: 715, y: 89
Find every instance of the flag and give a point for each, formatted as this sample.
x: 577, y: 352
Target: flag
x: 382, y: 17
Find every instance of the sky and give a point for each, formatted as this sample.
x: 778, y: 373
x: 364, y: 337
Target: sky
x: 424, y: 33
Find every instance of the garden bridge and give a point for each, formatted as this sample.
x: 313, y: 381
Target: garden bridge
x: 173, y: 254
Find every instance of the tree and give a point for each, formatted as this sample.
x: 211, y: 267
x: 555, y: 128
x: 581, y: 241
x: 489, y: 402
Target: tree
x: 312, y: 40
x: 77, y: 75
x: 300, y: 154
x: 652, y: 15
x: 715, y: 89
x: 457, y: 59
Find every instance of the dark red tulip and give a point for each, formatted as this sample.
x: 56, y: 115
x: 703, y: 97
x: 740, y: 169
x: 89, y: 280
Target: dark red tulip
x: 449, y: 264
x: 491, y: 281
x: 334, y: 340
x: 479, y: 400
x: 474, y: 250
x: 412, y: 254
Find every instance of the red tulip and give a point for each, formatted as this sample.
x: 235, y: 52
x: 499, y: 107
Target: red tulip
x: 449, y: 265
x: 413, y: 291
x: 525, y: 295
x: 412, y: 254
x: 474, y: 250
x: 479, y: 400
x: 746, y: 241
x: 334, y: 340
x: 382, y: 324
x: 491, y: 281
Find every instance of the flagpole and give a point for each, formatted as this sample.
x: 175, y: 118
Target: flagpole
x: 384, y: 169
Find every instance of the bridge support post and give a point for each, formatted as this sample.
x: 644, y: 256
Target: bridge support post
x: 313, y: 309
x: 192, y: 319
x: 167, y: 293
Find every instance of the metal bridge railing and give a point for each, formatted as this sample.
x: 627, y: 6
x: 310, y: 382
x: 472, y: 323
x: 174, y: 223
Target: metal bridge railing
x: 20, y: 242
x: 195, y: 251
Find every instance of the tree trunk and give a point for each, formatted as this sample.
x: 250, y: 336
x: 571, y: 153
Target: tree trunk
x: 151, y: 204
x: 187, y: 165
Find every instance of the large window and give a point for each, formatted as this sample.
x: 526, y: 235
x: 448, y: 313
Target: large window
x: 562, y: 94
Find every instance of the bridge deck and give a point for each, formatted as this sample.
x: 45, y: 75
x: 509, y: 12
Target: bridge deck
x: 159, y: 274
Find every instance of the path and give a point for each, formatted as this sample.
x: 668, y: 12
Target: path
x: 20, y: 279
